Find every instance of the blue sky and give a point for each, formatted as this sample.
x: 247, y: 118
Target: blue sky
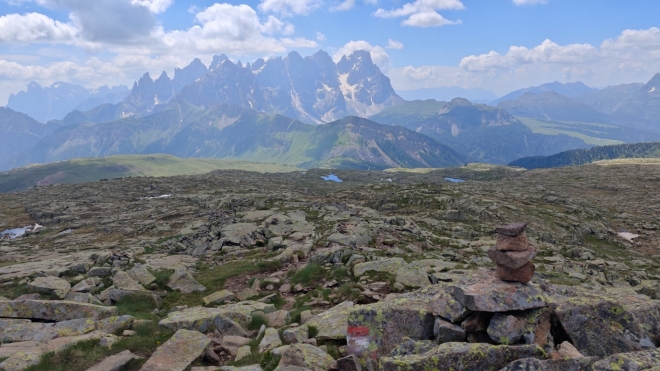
x: 497, y: 45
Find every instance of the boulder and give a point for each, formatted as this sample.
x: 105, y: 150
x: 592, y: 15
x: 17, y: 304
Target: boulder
x: 506, y: 329
x: 307, y: 356
x: 461, y: 356
x: 375, y: 329
x: 178, y: 352
x: 385, y: 265
x: 54, y: 287
x: 54, y: 310
x: 295, y: 335
x: 37, y: 331
x: 489, y: 294
x: 141, y: 274
x: 534, y: 364
x: 114, y: 362
x: 100, y: 272
x: 227, y: 327
x: 632, y: 361
x: 349, y: 363
x: 278, y: 318
x: 20, y: 361
x: 446, y: 332
x: 331, y: 324
x: 409, y: 346
x: 508, y: 243
x: 239, y: 233
x: 445, y: 305
x: 412, y: 276
x: 121, y: 280
x: 247, y: 293
x: 523, y: 274
x: 270, y: 341
x: 115, y: 323
x: 86, y: 285
x: 203, y: 319
x: 182, y: 281
x: 219, y: 297
x: 511, y: 259
x: 242, y: 352
x: 567, y: 350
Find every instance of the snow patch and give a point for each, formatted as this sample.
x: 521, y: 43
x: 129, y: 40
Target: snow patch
x: 652, y: 90
x: 627, y: 236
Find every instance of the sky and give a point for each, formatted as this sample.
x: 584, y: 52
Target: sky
x: 496, y: 45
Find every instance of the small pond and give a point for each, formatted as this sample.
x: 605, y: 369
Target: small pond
x: 455, y: 180
x: 13, y: 233
x: 332, y: 178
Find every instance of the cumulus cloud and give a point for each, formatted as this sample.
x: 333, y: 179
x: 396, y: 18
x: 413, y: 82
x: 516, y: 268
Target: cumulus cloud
x: 529, y: 2
x: 393, y: 44
x: 155, y: 6
x: 632, y: 56
x: 378, y: 54
x: 289, y: 8
x: 423, y: 13
x: 344, y: 6
x: 320, y: 36
x: 35, y: 27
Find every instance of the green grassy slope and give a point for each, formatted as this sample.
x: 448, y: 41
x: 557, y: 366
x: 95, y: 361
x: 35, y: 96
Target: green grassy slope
x: 94, y: 169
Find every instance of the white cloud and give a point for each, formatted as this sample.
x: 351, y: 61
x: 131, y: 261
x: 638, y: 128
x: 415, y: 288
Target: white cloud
x: 289, y: 8
x: 632, y: 56
x: 344, y: 6
x: 378, y: 55
x: 393, y: 44
x: 422, y: 13
x: 320, y: 36
x: 529, y: 2
x: 155, y: 6
x: 35, y: 27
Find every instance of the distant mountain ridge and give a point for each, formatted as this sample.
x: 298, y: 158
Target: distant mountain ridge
x: 20, y: 132
x: 226, y: 131
x: 313, y: 89
x: 446, y: 94
x: 483, y: 133
x: 569, y: 89
x: 585, y: 156
x: 60, y: 98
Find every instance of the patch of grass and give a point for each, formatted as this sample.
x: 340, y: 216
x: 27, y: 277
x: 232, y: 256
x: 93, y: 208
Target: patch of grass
x: 270, y: 361
x: 139, y: 306
x: 269, y: 265
x: 162, y: 276
x: 312, y: 331
x: 341, y: 274
x: 349, y: 291
x: 309, y: 274
x: 257, y: 321
x: 252, y: 359
x: 165, y: 239
x: 294, y: 315
x: 213, y: 278
x: 14, y: 291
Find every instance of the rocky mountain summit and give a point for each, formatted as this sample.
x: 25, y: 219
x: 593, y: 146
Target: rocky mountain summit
x: 397, y: 270
x: 314, y: 89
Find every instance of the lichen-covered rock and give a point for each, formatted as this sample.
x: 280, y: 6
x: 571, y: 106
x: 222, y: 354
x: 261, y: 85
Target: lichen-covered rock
x: 409, y: 346
x: 350, y: 234
x: 295, y: 335
x: 55, y: 287
x: 489, y: 294
x: 537, y: 328
x: 114, y: 362
x: 375, y: 329
x: 461, y: 356
x: 332, y: 324
x: 308, y: 356
x: 86, y: 285
x: 602, y: 326
x: 446, y: 306
x: 203, y: 319
x: 278, y: 318
x: 271, y: 340
x: 141, y: 274
x: 100, y: 271
x: 534, y: 364
x: 219, y: 297
x: 242, y: 352
x: 506, y: 329
x: 227, y: 327
x: 121, y: 280
x: 20, y: 361
x: 115, y: 323
x: 349, y: 363
x: 178, y: 352
x: 412, y: 276
x: 239, y: 233
x: 54, y: 310
x: 182, y: 281
x: 37, y: 331
x: 632, y: 361
x: 390, y: 266
x: 446, y: 332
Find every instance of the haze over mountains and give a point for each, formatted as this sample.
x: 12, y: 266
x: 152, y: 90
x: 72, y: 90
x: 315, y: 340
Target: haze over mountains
x: 312, y: 111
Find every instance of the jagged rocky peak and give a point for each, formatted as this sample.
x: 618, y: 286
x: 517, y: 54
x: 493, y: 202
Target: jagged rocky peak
x: 217, y: 61
x: 188, y: 74
x: 653, y: 86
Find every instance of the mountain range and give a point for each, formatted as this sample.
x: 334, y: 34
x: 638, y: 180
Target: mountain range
x: 313, y: 111
x: 57, y: 100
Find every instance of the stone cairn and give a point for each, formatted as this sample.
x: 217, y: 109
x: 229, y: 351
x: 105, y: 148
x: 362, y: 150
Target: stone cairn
x: 513, y: 254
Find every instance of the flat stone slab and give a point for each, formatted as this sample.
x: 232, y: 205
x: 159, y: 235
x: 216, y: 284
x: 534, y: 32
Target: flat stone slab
x: 182, y: 349
x: 36, y: 331
x: 512, y: 230
x: 184, y: 282
x: 56, y: 287
x: 489, y: 294
x: 114, y: 362
x: 203, y: 319
x: 54, y: 310
x: 333, y: 323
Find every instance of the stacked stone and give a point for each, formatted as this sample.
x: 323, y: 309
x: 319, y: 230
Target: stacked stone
x: 513, y: 254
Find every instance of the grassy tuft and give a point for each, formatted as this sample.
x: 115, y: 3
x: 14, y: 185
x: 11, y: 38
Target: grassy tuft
x: 309, y: 274
x: 269, y: 265
x: 257, y: 321
x: 312, y: 331
x: 269, y: 361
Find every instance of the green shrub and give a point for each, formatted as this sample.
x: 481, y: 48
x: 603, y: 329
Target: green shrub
x: 270, y: 361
